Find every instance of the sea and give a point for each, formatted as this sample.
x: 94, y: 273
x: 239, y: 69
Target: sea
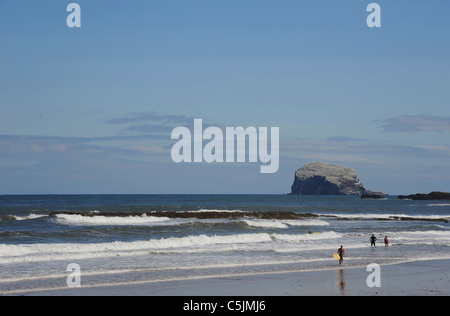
x: 48, y: 241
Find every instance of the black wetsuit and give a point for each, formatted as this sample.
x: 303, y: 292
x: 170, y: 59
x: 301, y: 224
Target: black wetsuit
x: 372, y: 241
x: 340, y: 253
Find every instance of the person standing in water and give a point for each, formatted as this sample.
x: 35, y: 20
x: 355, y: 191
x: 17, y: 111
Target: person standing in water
x: 373, y: 239
x: 341, y: 253
x: 386, y: 241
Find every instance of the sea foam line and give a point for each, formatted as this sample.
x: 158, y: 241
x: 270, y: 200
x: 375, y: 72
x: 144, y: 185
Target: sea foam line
x: 160, y: 269
x: 10, y: 254
x: 392, y: 217
x: 200, y: 277
x: 144, y: 220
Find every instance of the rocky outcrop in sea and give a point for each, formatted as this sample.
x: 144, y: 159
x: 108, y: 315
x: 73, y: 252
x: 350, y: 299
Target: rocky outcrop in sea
x: 433, y: 196
x: 319, y: 178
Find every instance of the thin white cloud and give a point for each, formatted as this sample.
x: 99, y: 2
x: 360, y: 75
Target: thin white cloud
x: 416, y: 123
x: 146, y: 117
x: 359, y: 148
x: 153, y: 150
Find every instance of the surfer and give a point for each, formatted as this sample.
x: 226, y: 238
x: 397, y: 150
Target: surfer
x: 341, y: 253
x: 373, y: 239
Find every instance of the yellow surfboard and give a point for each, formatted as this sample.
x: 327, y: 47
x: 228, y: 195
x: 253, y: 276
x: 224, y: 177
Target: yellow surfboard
x: 337, y: 256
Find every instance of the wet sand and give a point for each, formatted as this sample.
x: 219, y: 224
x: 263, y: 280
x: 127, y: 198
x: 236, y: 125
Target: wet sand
x: 420, y: 278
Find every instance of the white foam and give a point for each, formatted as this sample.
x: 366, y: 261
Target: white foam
x: 256, y: 242
x: 144, y: 220
x: 307, y: 237
x: 386, y: 216
x: 282, y: 224
x: 265, y: 223
x: 431, y: 237
x: 49, y: 252
x: 31, y: 216
x: 98, y: 220
x: 306, y: 222
x: 214, y: 211
x: 11, y: 254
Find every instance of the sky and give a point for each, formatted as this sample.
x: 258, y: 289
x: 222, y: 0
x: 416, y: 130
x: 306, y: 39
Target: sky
x: 90, y: 110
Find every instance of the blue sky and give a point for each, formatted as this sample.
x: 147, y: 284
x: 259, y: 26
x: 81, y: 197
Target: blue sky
x: 90, y: 110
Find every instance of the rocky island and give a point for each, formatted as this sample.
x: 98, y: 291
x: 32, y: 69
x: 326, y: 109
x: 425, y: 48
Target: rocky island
x: 433, y: 196
x: 319, y: 178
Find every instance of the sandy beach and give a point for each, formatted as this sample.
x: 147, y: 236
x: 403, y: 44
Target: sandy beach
x: 420, y: 278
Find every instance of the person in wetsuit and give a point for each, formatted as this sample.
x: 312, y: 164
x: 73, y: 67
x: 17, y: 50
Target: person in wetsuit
x: 341, y: 253
x: 373, y: 239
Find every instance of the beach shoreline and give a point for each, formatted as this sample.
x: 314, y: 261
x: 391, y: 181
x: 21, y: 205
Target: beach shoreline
x: 418, y: 278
